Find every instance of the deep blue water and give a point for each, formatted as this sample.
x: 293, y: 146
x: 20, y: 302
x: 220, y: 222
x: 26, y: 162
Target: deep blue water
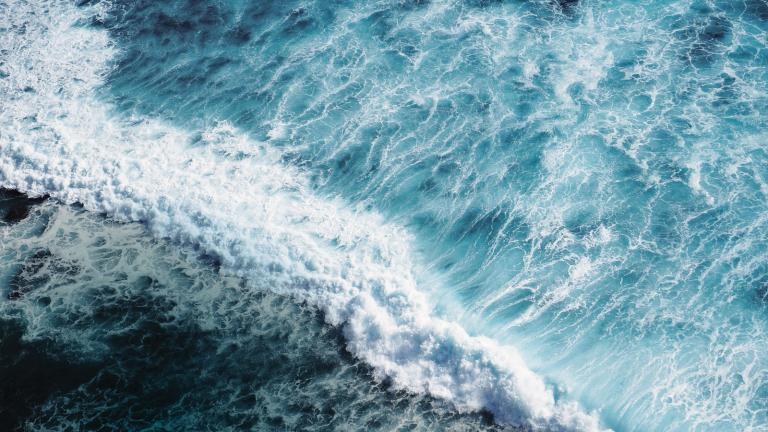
x: 585, y: 181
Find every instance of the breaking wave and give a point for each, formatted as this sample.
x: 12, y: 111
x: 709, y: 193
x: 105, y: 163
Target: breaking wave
x: 232, y: 198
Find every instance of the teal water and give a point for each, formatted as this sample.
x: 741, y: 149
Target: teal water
x: 584, y: 181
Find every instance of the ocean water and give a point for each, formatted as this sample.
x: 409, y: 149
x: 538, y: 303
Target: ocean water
x: 106, y: 328
x: 550, y: 211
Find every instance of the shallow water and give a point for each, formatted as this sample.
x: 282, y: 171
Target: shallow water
x: 554, y: 211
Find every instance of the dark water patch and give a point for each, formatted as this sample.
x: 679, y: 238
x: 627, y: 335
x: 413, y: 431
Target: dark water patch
x: 757, y: 8
x: 163, y: 23
x: 756, y: 286
x: 128, y: 334
x: 486, y: 222
x: 239, y: 35
x: 754, y: 10
x: 410, y: 5
x: 581, y: 221
x: 567, y: 6
x: 31, y: 372
x: 30, y: 275
x: 299, y: 20
x: 15, y: 206
x: 711, y: 37
x: 483, y: 3
x: 704, y: 36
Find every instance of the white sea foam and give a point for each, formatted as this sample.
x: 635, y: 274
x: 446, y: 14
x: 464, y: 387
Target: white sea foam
x: 231, y: 196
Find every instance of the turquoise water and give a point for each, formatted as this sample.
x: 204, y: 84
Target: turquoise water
x: 584, y: 181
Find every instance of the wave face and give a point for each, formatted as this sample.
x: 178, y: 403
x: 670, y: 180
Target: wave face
x: 444, y: 180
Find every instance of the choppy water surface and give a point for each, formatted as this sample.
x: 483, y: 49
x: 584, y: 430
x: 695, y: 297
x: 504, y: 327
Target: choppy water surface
x: 105, y: 328
x: 551, y: 210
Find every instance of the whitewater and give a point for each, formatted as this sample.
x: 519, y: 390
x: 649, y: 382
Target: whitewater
x: 551, y: 211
